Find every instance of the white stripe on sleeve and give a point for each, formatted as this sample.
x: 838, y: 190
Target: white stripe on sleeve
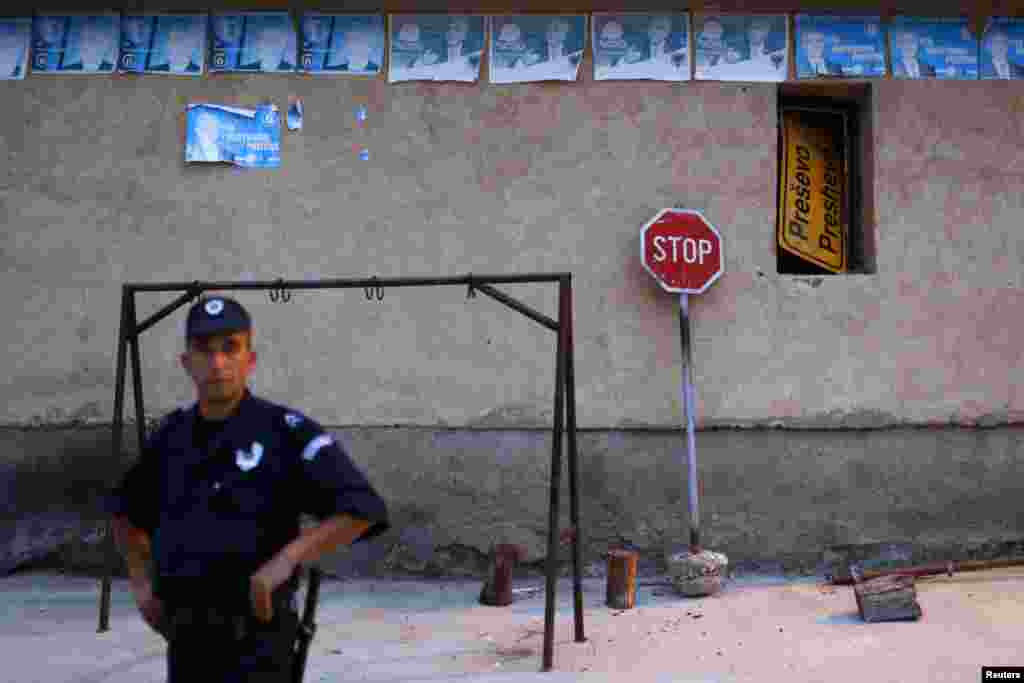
x: 314, y: 446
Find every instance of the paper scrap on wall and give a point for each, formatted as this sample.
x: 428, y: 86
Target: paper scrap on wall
x: 345, y: 44
x: 435, y: 47
x: 527, y: 48
x: 254, y: 42
x: 163, y: 44
x: 250, y: 138
x: 1002, y: 49
x: 741, y: 48
x: 632, y: 46
x: 828, y: 45
x: 15, y: 35
x: 75, y: 43
x: 933, y: 48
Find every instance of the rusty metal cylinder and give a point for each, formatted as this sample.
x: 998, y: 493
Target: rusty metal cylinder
x: 497, y: 592
x: 621, y: 579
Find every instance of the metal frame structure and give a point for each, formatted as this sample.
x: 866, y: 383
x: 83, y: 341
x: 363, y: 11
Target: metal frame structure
x: 564, y: 414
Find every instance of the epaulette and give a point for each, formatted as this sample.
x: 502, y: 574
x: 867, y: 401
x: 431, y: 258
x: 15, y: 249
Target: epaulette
x: 306, y: 434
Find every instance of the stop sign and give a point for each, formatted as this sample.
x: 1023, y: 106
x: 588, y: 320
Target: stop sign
x: 682, y: 250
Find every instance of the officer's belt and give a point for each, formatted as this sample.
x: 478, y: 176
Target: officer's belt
x: 200, y: 619
x: 227, y: 596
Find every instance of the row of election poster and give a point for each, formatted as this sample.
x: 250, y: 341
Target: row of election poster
x: 521, y: 48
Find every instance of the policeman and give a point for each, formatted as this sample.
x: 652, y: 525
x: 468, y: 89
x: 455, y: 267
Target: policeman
x: 208, y: 519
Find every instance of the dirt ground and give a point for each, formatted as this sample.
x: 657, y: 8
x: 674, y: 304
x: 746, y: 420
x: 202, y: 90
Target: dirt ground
x: 756, y: 629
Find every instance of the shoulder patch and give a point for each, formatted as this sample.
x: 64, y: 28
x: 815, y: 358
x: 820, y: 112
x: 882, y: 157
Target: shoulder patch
x: 313, y: 447
x: 293, y: 420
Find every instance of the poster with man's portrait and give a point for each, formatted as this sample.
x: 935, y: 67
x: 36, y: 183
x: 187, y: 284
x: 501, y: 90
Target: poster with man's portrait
x: 528, y: 48
x: 635, y: 46
x: 732, y: 47
x: 163, y: 44
x: 15, y: 35
x: 933, y: 48
x: 254, y: 42
x: 75, y: 43
x: 345, y: 44
x: 830, y: 45
x: 250, y: 138
x: 1002, y: 49
x: 435, y: 47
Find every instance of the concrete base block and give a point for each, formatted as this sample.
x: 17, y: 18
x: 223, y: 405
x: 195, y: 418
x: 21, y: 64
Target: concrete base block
x: 697, y: 574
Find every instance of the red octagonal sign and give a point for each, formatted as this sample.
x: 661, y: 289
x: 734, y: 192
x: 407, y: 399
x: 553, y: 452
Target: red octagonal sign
x: 682, y: 250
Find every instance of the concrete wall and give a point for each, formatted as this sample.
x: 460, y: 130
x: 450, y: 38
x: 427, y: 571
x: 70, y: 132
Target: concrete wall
x: 492, y: 179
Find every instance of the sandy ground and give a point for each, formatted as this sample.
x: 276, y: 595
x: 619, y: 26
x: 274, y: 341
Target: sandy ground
x: 756, y: 629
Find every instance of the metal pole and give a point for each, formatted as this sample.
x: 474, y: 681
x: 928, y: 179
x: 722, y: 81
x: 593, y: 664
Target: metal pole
x: 556, y: 475
x: 111, y: 547
x: 140, y: 419
x: 574, y: 498
x: 689, y: 405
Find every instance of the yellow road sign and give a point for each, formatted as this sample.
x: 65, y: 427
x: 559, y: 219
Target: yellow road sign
x: 813, y: 189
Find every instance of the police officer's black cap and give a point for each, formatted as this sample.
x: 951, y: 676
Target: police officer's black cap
x: 216, y: 315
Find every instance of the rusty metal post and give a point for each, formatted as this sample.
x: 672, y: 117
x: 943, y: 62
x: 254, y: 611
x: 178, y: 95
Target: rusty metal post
x: 621, y: 591
x: 140, y: 418
x: 574, y: 485
x: 556, y: 477
x: 111, y: 547
x: 497, y: 591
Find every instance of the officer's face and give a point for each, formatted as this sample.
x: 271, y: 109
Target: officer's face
x: 219, y: 365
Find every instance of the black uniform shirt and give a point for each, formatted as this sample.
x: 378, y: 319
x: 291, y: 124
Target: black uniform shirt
x: 218, y: 505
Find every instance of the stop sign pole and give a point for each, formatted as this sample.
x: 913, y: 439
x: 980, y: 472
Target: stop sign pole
x: 682, y: 250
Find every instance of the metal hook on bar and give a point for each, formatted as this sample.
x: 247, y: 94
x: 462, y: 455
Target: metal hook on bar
x: 279, y: 293
x: 370, y: 291
x: 471, y: 292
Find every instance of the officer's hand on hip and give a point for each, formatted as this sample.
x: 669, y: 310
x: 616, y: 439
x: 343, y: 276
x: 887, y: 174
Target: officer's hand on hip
x: 150, y: 606
x: 265, y: 581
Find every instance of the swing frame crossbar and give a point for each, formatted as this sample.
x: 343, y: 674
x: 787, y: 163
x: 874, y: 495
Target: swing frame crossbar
x: 131, y: 330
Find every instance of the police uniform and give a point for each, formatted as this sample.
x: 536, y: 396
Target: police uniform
x: 218, y: 500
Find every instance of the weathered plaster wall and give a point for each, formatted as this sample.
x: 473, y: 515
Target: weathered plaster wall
x: 495, y: 179
x: 768, y: 495
x: 510, y: 179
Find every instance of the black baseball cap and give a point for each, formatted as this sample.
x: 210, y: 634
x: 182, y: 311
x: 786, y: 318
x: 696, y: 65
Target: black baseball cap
x: 216, y: 315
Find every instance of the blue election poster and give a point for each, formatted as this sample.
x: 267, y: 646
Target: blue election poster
x: 526, y: 48
x: 347, y: 44
x: 634, y: 46
x: 163, y: 44
x: 829, y: 45
x: 933, y: 48
x: 75, y: 43
x: 1002, y: 49
x: 254, y: 42
x: 15, y: 35
x: 435, y: 47
x: 250, y: 138
x: 741, y: 47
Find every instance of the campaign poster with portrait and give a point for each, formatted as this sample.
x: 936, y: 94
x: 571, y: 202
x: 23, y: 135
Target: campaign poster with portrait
x: 830, y: 45
x: 435, y: 47
x: 75, y: 43
x: 633, y: 46
x: 1002, y: 49
x: 344, y: 44
x: 528, y: 48
x: 250, y: 138
x: 15, y: 35
x: 933, y: 48
x: 253, y: 42
x: 163, y: 44
x: 733, y: 47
